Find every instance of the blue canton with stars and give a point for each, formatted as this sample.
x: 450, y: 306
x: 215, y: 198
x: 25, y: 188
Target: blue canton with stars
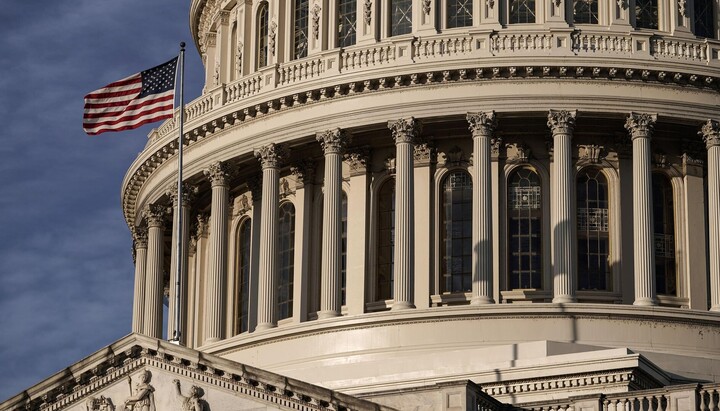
x: 158, y: 79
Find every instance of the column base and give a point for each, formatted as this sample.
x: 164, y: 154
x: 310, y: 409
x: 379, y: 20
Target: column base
x: 210, y: 340
x: 715, y: 309
x: 328, y: 314
x: 564, y: 299
x: 645, y: 302
x: 265, y: 326
x: 481, y: 300
x: 402, y: 305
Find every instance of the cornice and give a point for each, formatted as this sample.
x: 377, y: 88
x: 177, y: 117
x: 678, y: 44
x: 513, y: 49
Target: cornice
x: 205, y: 125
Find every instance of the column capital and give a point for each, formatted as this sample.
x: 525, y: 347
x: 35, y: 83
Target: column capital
x: 710, y: 133
x: 357, y: 160
x: 334, y: 141
x: 482, y: 123
x: 304, y: 171
x: 640, y: 125
x: 188, y: 194
x: 201, y: 225
x: 562, y: 121
x: 140, y: 237
x: 218, y: 173
x: 271, y: 155
x: 155, y: 215
x: 405, y: 130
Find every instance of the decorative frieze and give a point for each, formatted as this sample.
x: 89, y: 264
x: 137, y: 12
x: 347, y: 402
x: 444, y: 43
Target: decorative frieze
x: 272, y: 155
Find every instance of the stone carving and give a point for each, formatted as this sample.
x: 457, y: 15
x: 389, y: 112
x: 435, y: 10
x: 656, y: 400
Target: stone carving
x: 316, y: 20
x: 255, y: 186
x: 682, y: 7
x: 304, y: 171
x: 216, y: 76
x: 491, y: 4
x: 201, y: 225
x: 424, y: 154
x: 271, y: 155
x: 562, y: 121
x: 640, y: 124
x: 140, y: 237
x: 710, y: 133
x: 188, y: 194
x: 482, y: 124
x: 99, y: 404
x: 142, y: 398
x: 244, y: 205
x: 522, y: 152
x: 155, y: 215
x: 660, y: 160
x: 623, y: 4
x: 557, y: 2
x: 239, y: 59
x: 590, y: 153
x: 367, y: 9
x: 455, y: 156
x: 390, y: 165
x: 405, y: 130
x: 271, y: 36
x: 357, y: 160
x: 194, y: 401
x: 495, y: 145
x: 334, y: 141
x: 426, y: 6
x: 284, y: 187
x: 218, y: 173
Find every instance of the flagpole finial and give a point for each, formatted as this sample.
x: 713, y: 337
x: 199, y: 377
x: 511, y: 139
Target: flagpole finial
x: 182, y: 45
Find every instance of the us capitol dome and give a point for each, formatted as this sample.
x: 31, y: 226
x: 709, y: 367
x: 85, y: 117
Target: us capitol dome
x: 440, y: 205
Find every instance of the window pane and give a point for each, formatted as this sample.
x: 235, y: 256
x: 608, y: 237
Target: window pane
x: 386, y: 241
x: 664, y: 227
x: 401, y: 12
x: 524, y: 229
x: 347, y: 18
x: 522, y: 11
x: 262, y: 36
x: 243, y: 277
x: 585, y: 11
x: 704, y: 18
x: 593, y: 224
x: 301, y: 29
x: 459, y: 13
x: 456, y: 274
x: 646, y: 14
x: 286, y: 253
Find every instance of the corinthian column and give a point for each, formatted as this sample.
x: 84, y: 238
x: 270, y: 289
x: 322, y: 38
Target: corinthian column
x: 180, y: 211
x: 219, y: 175
x: 270, y: 157
x: 140, y: 242
x: 640, y: 126
x: 404, y: 132
x: 333, y: 143
x: 711, y: 135
x: 482, y: 126
x: 562, y: 124
x: 153, y: 315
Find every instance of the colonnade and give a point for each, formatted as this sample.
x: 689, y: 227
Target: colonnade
x: 147, y: 307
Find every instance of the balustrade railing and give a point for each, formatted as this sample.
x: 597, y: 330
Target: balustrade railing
x: 371, y: 56
x: 679, y: 49
x: 301, y: 70
x: 442, y: 47
x: 601, y: 43
x: 514, y: 42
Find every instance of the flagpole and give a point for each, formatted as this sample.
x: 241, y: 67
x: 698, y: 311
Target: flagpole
x: 179, y: 263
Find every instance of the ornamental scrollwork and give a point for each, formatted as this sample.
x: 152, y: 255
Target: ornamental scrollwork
x: 426, y: 6
x: 640, y: 125
x: 271, y: 155
x: 682, y: 7
x: 482, y: 124
x: 316, y: 20
x: 272, y: 35
x: 334, y: 141
x: 561, y: 121
x: 405, y: 130
x: 239, y: 58
x: 423, y: 154
x: 710, y: 133
x: 218, y: 173
x: 367, y: 9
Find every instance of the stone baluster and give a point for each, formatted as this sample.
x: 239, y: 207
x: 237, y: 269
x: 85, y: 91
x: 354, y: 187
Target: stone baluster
x: 153, y: 315
x: 404, y: 132
x: 140, y: 243
x: 640, y: 127
x: 711, y: 135
x: 482, y: 126
x: 562, y: 124
x: 333, y: 143
x: 270, y: 157
x: 219, y: 175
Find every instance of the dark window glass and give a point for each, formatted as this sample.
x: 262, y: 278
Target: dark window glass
x: 243, y: 277
x: 664, y: 226
x: 522, y: 11
x: 347, y: 20
x: 386, y: 241
x: 585, y: 11
x: 593, y: 224
x: 704, y: 18
x: 524, y: 229
x: 286, y: 254
x: 459, y: 13
x: 262, y: 36
x: 301, y: 29
x: 456, y: 231
x: 401, y: 13
x: 646, y: 14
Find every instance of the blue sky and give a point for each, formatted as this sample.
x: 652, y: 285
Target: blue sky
x: 66, y: 271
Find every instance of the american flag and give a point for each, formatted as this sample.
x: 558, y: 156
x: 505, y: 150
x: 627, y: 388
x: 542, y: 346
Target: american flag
x: 125, y: 104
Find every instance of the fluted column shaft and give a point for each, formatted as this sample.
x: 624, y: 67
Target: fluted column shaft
x: 218, y: 174
x: 270, y: 157
x: 333, y: 143
x: 482, y: 126
x: 141, y: 246
x: 153, y: 315
x: 562, y: 125
x: 711, y: 135
x: 640, y: 127
x: 404, y: 132
x: 180, y: 211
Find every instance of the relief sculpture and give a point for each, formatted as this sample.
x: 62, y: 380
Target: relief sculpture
x: 194, y: 401
x: 142, y: 399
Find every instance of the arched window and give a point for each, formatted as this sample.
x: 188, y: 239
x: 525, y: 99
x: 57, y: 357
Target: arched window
x: 704, y: 16
x: 664, y: 225
x: 286, y: 255
x: 401, y: 17
x: 585, y: 11
x: 456, y: 230
x: 386, y: 241
x: 242, y: 279
x: 459, y: 13
x: 521, y: 11
x: 301, y: 29
x: 524, y: 229
x: 347, y: 21
x: 593, y: 224
x: 262, y: 36
x: 646, y: 14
